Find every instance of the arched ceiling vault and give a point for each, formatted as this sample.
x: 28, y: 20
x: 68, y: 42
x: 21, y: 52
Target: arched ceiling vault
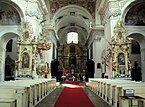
x: 72, y: 15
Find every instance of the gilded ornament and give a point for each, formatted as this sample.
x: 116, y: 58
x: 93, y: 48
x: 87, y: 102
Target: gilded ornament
x: 120, y: 46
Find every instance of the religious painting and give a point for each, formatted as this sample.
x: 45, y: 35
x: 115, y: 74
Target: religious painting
x: 8, y: 15
x: 121, y: 59
x: 25, y: 60
x: 136, y: 15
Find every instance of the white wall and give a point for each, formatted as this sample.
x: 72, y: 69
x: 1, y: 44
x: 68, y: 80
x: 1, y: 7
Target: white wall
x: 98, y: 47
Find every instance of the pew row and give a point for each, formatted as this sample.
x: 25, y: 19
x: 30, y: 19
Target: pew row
x: 27, y: 93
x: 111, y: 90
x: 9, y: 102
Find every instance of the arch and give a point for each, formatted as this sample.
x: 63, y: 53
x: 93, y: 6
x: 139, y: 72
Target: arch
x: 61, y: 10
x: 139, y: 37
x: 6, y: 36
x: 125, y: 8
x: 72, y: 18
x: 128, y: 6
x: 15, y: 4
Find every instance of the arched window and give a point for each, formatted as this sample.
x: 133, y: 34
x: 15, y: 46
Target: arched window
x: 72, y: 37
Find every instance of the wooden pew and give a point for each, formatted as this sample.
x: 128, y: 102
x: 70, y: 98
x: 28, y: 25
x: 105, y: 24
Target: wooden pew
x: 35, y: 90
x: 18, y: 93
x: 117, y: 91
x: 108, y: 89
x: 7, y: 102
x: 139, y: 94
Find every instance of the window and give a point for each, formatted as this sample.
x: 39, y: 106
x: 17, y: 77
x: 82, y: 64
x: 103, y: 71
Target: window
x: 72, y: 37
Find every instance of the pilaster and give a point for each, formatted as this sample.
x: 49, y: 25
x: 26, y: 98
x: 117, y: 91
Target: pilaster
x: 98, y: 47
x: 143, y: 63
x: 2, y: 63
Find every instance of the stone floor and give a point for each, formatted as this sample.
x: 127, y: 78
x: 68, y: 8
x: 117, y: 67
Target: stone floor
x: 50, y: 100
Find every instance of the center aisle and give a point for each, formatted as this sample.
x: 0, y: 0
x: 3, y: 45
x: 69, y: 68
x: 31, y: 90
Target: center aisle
x: 73, y: 96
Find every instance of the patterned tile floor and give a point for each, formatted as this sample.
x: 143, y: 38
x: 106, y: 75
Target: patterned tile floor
x: 50, y: 100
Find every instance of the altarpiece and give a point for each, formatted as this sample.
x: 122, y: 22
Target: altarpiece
x: 28, y: 65
x: 121, y: 65
x: 26, y: 48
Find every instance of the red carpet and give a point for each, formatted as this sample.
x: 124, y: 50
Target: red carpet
x: 73, y: 96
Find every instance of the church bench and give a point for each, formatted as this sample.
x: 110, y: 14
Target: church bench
x: 19, y: 93
x: 135, y: 101
x: 37, y: 89
x: 100, y: 85
x: 29, y: 93
x: 7, y: 102
x: 42, y: 88
x: 104, y: 88
x: 118, y: 91
x: 139, y: 95
x: 96, y: 85
x: 109, y: 88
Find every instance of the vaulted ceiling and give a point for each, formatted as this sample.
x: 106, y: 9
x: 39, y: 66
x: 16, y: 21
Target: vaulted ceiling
x: 87, y: 4
x: 72, y: 15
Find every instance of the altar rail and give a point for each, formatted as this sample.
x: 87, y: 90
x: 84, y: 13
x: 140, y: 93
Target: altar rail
x: 112, y: 90
x: 25, y: 93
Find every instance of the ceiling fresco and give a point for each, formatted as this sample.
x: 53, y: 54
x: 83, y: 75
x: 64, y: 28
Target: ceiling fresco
x: 89, y: 5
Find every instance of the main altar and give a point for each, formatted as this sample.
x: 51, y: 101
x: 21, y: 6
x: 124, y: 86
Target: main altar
x: 72, y: 58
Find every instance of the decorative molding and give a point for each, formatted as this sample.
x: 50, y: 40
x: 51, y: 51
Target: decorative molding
x: 26, y: 33
x: 114, y: 13
x: 94, y: 33
x: 123, y: 2
x: 33, y: 13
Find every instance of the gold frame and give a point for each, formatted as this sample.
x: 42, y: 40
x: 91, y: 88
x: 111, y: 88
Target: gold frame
x: 120, y: 46
x: 25, y: 45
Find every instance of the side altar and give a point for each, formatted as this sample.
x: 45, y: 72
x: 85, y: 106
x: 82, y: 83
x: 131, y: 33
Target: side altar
x: 29, y: 62
x: 26, y: 48
x: 120, y: 44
